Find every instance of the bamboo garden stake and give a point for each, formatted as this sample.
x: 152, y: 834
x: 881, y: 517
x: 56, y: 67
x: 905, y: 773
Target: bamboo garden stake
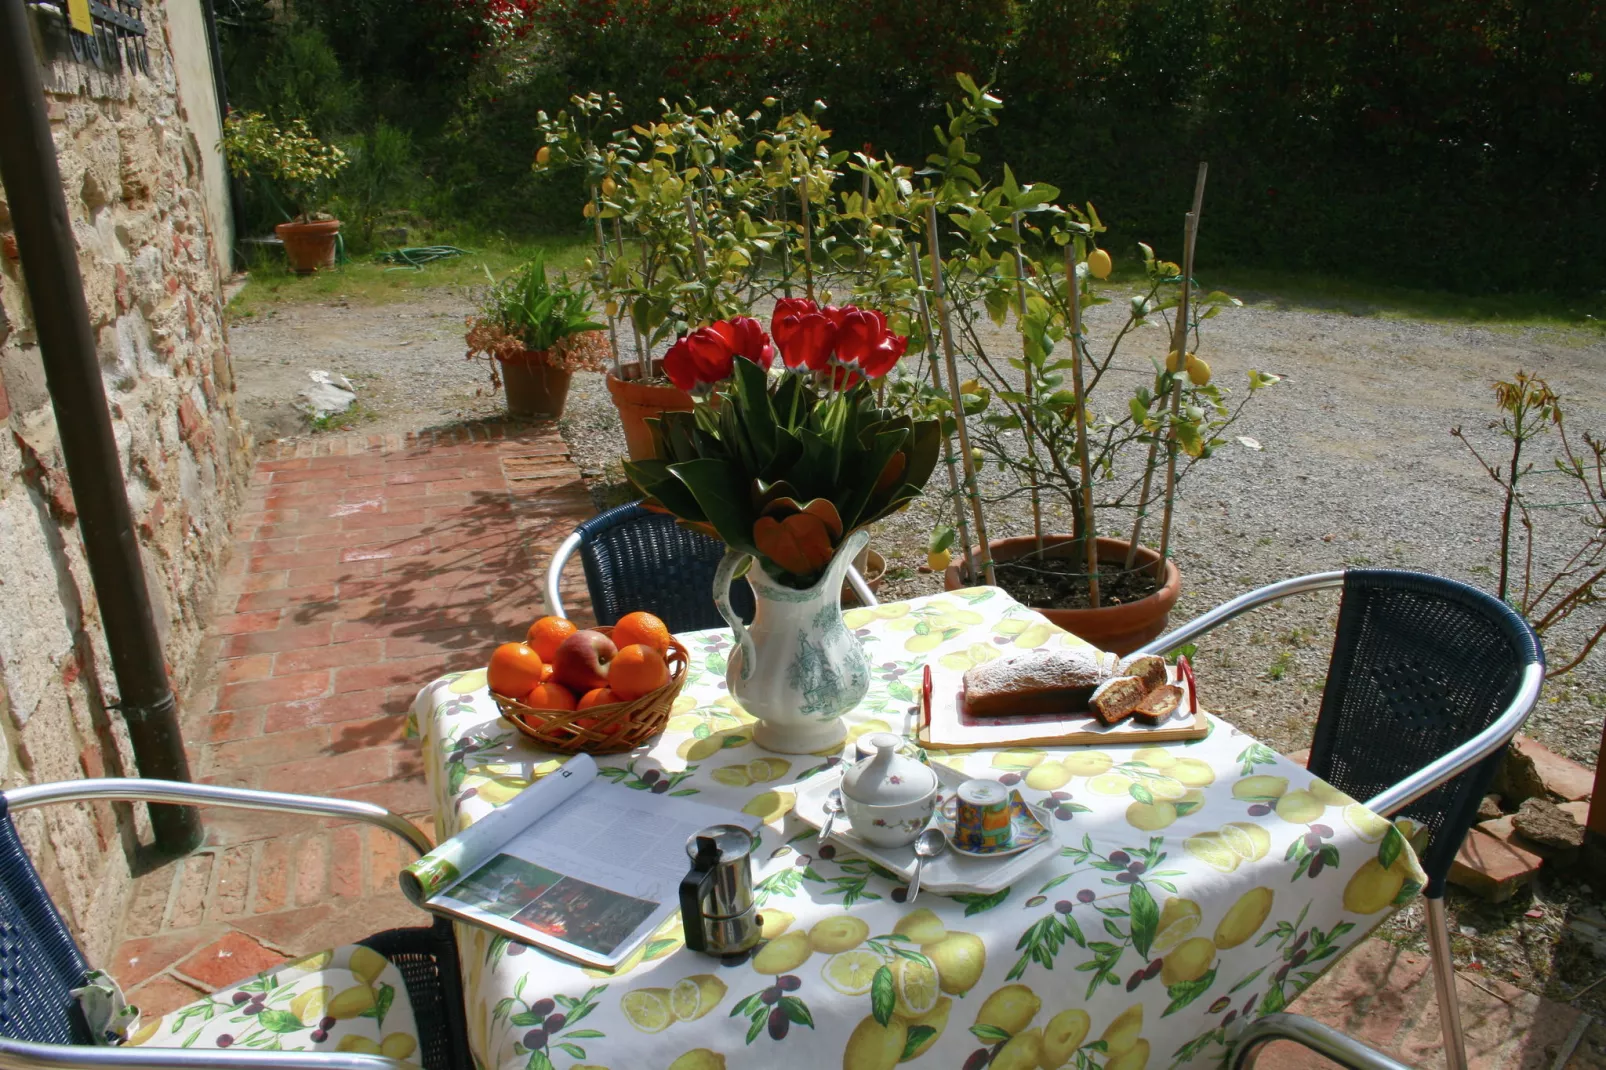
x: 936, y: 381
x: 1179, y: 343
x: 937, y: 297
x: 602, y: 267
x: 1090, y: 535
x: 1190, y: 233
x: 1026, y: 371
x: 808, y: 236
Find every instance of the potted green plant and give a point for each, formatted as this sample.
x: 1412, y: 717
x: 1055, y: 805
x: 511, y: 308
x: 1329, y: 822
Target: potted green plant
x: 297, y: 169
x: 536, y: 333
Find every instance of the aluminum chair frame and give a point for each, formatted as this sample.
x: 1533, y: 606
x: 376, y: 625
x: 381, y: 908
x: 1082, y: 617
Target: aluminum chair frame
x: 1391, y: 800
x: 26, y: 1055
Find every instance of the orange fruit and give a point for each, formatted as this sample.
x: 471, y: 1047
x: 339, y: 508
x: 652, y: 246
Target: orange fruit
x: 643, y: 628
x: 514, y: 669
x: 546, y: 633
x: 546, y: 672
x: 637, y: 670
x: 549, y: 697
x: 597, y: 696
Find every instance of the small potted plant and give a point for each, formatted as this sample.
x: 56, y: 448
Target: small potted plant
x: 297, y: 167
x: 536, y: 333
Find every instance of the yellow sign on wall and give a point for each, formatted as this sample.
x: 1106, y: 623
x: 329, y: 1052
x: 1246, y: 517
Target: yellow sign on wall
x: 78, y: 15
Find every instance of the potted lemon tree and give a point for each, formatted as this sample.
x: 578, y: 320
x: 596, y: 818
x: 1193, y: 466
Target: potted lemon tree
x: 297, y: 168
x: 536, y: 333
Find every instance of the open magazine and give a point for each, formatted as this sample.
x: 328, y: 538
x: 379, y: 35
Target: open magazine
x: 574, y: 863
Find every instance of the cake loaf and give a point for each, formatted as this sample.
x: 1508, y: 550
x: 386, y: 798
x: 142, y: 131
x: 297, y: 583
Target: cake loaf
x: 1158, y: 705
x: 1118, y: 698
x: 1042, y: 681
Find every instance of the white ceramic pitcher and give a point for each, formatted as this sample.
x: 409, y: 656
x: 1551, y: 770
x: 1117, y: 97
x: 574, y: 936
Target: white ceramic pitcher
x: 796, y: 668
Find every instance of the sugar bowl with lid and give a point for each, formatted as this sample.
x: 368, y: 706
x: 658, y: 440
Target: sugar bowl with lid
x: 890, y: 796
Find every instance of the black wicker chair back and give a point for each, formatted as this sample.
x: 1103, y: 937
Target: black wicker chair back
x: 39, y: 961
x: 1420, y: 665
x: 637, y: 559
x: 427, y: 959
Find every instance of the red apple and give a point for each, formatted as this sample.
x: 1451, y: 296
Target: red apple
x: 581, y: 661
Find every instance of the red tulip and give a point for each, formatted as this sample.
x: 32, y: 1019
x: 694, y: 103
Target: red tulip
x: 708, y: 354
x: 866, y: 342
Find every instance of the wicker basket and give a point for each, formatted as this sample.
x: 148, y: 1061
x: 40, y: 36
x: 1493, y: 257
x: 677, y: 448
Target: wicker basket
x: 618, y: 726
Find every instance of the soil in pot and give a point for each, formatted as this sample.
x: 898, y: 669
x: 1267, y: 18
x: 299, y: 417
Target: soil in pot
x: 1062, y: 583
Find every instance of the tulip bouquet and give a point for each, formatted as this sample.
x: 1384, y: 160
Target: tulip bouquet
x: 786, y: 467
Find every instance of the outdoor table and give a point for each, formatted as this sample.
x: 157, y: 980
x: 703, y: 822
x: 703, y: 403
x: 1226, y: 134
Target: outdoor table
x: 1198, y: 885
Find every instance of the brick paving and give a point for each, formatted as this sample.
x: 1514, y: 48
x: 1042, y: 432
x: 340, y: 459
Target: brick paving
x: 363, y: 567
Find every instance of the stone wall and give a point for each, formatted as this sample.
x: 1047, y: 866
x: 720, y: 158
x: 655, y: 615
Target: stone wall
x: 136, y: 172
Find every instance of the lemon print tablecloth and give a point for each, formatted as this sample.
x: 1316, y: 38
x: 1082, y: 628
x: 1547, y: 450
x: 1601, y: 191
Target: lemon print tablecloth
x: 1198, y: 885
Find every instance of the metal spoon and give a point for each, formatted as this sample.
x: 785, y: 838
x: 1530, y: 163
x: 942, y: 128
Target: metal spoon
x: 833, y: 806
x: 929, y: 844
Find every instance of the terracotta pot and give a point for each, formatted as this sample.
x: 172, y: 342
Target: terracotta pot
x: 1122, y: 628
x: 534, y: 387
x: 309, y: 246
x: 637, y: 401
x: 873, y: 567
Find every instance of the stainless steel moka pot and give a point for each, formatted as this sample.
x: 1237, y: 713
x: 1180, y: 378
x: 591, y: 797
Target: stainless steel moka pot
x: 716, y: 895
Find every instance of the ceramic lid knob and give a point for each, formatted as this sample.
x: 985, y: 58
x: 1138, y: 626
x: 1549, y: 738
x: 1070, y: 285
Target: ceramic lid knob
x: 888, y: 778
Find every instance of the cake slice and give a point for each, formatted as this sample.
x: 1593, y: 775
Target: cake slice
x: 1158, y: 705
x: 1042, y: 681
x: 1117, y: 698
x: 1150, y: 668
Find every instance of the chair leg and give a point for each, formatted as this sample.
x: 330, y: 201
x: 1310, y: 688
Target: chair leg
x: 1455, y: 1051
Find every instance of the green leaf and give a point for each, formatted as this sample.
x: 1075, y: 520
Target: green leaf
x: 1247, y: 980
x: 990, y: 1033
x: 798, y: 1011
x: 1145, y: 918
x: 280, y: 1021
x: 722, y: 499
x: 539, y: 1061
x: 882, y: 998
x: 975, y: 903
x: 1187, y: 991
x: 527, y: 1018
x: 574, y: 1050
x: 583, y: 1034
x: 1140, y: 793
x: 918, y: 1035
x: 1389, y: 850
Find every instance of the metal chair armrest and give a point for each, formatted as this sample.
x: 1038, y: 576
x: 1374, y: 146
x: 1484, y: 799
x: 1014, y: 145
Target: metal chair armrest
x: 26, y: 1055
x: 1468, y: 754
x: 554, y: 573
x: 133, y: 789
x: 860, y: 588
x: 1322, y: 1039
x: 1318, y: 581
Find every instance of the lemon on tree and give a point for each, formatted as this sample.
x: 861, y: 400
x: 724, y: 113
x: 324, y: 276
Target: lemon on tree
x: 648, y: 1009
x: 1244, y: 918
x: 851, y: 972
x: 1062, y: 1035
x: 874, y: 1046
x: 960, y: 959
x: 693, y: 997
x: 1011, y: 1009
x: 840, y: 933
x: 783, y: 954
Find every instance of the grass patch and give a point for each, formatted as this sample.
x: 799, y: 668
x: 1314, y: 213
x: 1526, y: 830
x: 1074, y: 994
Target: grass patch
x: 1280, y: 665
x: 1325, y: 293
x: 349, y: 420
x: 366, y: 281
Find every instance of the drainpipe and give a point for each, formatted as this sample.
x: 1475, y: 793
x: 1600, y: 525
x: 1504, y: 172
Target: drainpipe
x: 72, y: 373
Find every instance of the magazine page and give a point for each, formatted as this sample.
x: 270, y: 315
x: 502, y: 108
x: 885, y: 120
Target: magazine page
x: 593, y: 877
x: 465, y: 851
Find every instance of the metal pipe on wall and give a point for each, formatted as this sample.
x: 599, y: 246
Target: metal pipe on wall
x: 49, y: 258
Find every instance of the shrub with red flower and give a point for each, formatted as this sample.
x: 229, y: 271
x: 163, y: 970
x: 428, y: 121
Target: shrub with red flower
x: 707, y: 355
x: 851, y: 342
